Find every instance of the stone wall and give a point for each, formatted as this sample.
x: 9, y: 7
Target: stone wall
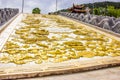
x: 6, y: 14
x: 106, y: 22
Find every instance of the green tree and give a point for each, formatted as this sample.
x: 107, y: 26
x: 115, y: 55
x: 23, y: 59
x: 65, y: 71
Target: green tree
x: 96, y: 11
x: 113, y: 12
x: 36, y: 11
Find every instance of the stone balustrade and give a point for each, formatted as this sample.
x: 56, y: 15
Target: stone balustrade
x: 6, y: 14
x: 106, y: 22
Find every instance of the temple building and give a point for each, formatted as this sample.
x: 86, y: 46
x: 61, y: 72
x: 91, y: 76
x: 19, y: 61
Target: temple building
x: 78, y: 9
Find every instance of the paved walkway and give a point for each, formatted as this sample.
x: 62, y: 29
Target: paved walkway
x: 102, y: 74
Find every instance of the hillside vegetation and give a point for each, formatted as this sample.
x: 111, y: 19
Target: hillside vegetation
x: 102, y: 8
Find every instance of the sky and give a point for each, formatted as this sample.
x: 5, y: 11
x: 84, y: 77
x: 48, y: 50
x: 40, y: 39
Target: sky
x: 45, y: 5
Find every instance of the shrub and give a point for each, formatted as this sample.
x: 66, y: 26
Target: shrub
x: 36, y: 11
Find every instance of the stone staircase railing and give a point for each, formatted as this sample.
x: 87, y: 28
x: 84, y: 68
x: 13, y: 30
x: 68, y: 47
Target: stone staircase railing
x: 106, y: 22
x: 6, y: 14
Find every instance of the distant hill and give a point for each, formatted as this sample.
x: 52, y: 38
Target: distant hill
x: 99, y: 4
x: 103, y: 4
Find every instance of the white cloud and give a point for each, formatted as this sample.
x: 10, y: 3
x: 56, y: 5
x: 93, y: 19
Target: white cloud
x: 45, y: 5
x: 31, y: 3
x: 0, y: 3
x: 52, y: 8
